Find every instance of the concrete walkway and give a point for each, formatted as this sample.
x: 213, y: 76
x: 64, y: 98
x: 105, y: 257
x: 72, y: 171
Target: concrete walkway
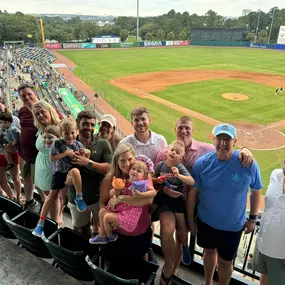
x: 19, y: 267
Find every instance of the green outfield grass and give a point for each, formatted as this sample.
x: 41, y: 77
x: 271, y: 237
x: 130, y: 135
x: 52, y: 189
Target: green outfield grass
x: 98, y: 67
x: 262, y: 106
x: 118, y: 63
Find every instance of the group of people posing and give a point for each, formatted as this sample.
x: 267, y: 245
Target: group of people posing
x: 119, y: 186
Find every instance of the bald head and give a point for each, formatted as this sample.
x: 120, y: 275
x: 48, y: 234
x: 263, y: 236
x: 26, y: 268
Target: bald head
x: 184, y: 120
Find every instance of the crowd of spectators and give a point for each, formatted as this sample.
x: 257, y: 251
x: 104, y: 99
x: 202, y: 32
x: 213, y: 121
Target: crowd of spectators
x: 124, y: 184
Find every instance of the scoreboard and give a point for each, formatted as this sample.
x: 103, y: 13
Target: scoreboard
x: 106, y: 40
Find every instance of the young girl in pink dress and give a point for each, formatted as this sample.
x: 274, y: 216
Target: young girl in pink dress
x: 126, y: 216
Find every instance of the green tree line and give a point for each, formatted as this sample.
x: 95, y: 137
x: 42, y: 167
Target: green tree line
x: 172, y: 25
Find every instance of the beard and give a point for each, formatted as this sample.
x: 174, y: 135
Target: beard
x: 87, y: 133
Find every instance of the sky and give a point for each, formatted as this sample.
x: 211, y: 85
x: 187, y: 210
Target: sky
x: 128, y: 7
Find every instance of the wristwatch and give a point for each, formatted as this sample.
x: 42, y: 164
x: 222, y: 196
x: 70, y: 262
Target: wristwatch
x: 89, y: 164
x: 253, y: 218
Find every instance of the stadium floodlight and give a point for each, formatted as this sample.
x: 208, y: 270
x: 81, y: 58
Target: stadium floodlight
x: 256, y: 32
x: 273, y: 15
x: 138, y: 19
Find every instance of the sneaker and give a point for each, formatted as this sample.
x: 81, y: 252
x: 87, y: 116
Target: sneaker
x: 186, y: 258
x: 98, y: 240
x: 112, y: 238
x: 80, y: 204
x: 38, y: 230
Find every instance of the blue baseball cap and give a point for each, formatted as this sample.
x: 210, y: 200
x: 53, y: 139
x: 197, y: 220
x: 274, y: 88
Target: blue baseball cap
x: 225, y: 129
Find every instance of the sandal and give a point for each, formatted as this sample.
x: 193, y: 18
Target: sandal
x: 165, y: 279
x: 10, y: 166
x: 20, y: 201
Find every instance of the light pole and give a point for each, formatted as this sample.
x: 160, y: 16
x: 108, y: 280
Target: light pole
x: 138, y: 19
x: 273, y: 14
x: 257, y: 26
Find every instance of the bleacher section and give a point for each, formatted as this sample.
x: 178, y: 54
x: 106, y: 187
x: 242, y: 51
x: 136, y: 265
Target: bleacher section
x: 36, y: 53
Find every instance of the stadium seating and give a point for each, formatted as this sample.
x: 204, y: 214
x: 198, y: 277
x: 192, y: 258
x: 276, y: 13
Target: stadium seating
x: 138, y: 273
x: 37, y: 53
x: 69, y: 250
x: 12, y: 209
x: 22, y: 226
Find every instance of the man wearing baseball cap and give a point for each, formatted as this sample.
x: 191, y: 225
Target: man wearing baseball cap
x: 107, y: 130
x: 222, y: 184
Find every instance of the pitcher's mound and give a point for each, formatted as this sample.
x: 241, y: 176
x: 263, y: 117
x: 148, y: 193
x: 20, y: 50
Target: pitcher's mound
x: 235, y: 96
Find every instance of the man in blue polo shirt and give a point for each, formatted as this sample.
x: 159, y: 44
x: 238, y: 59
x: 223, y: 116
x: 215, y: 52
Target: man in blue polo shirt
x: 222, y: 184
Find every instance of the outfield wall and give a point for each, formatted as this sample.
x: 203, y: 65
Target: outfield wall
x: 165, y: 43
x: 237, y: 44
x: 117, y: 45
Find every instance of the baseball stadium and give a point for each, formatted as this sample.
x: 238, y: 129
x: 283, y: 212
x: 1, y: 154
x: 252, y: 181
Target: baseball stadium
x: 211, y: 85
x: 215, y: 76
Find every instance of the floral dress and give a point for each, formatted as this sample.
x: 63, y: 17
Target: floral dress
x: 128, y: 216
x: 43, y: 172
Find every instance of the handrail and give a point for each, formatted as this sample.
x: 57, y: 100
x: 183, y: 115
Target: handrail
x: 194, y: 252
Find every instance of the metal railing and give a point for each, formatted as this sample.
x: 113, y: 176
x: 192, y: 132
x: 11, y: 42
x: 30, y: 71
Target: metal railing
x: 246, y: 246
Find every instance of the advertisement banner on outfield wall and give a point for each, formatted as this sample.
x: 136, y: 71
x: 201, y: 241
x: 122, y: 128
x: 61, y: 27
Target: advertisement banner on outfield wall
x: 54, y: 46
x: 71, y: 45
x: 280, y: 47
x: 103, y: 45
x: 115, y: 46
x: 126, y: 45
x: 88, y: 45
x: 152, y: 44
x: 263, y: 46
x: 130, y: 44
x: 169, y: 43
x: 181, y: 43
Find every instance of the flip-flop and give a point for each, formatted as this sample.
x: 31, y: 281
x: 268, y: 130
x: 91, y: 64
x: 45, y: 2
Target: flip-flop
x: 20, y: 201
x: 166, y: 280
x: 60, y: 224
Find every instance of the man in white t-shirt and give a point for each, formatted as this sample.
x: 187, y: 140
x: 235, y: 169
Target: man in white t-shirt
x: 271, y: 237
x: 144, y: 141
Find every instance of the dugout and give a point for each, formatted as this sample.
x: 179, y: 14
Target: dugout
x: 217, y: 34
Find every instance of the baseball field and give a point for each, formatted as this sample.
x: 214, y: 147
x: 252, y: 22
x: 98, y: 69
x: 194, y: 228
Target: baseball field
x: 211, y: 85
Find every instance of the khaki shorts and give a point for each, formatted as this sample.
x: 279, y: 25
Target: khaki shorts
x: 27, y: 170
x: 81, y: 219
x: 273, y: 268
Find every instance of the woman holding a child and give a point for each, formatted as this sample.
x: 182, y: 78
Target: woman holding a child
x: 131, y: 245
